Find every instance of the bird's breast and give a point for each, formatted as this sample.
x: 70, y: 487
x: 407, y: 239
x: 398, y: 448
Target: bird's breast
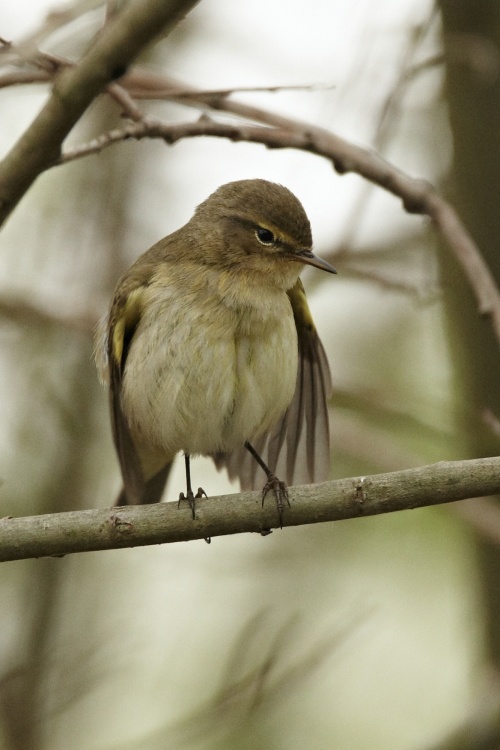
x: 202, y: 377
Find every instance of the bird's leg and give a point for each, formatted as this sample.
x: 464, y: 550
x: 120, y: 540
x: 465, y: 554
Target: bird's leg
x: 190, y: 496
x: 273, y: 483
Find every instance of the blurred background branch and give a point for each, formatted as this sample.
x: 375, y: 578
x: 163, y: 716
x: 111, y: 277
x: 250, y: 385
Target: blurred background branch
x: 120, y: 41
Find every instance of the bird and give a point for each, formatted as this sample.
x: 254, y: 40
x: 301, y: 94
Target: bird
x: 209, y: 348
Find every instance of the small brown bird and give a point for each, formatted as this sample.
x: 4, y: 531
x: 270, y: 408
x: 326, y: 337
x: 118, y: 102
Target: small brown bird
x: 210, y: 348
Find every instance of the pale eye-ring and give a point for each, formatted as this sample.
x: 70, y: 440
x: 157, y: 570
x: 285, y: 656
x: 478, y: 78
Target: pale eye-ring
x: 265, y: 236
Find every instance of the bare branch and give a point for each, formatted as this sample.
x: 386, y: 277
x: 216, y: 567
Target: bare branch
x: 23, y: 312
x: 128, y: 106
x: 418, y: 196
x: 82, y: 531
x: 356, y: 270
x: 188, y: 93
x: 171, y: 133
x: 126, y: 34
x: 24, y: 77
x: 31, y: 156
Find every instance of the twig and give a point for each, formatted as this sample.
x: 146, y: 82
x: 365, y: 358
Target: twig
x: 138, y: 23
x: 423, y: 295
x: 81, y: 531
x: 24, y: 77
x: 23, y: 312
x: 188, y: 93
x: 124, y: 100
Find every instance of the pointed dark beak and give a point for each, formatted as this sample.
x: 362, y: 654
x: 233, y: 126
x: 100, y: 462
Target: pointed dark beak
x: 307, y: 256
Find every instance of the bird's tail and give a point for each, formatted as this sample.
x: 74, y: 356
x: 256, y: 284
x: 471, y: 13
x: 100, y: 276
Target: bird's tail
x: 152, y: 491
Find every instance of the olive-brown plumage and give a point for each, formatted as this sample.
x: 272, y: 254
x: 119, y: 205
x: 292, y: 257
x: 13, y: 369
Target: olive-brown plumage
x: 209, y: 348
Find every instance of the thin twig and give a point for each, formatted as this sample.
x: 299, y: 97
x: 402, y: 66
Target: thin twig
x: 22, y: 312
x: 24, y: 77
x: 125, y: 101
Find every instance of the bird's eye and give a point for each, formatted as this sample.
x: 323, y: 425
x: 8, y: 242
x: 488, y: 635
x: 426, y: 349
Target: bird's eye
x: 265, y: 236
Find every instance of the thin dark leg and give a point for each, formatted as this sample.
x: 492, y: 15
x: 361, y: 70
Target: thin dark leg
x: 187, y: 464
x: 261, y: 463
x: 190, y: 496
x: 273, y: 483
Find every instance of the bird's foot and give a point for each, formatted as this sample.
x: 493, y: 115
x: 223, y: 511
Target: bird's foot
x: 191, y: 498
x: 280, y: 493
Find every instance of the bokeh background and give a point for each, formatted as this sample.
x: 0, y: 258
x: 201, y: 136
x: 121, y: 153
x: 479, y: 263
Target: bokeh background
x: 380, y: 633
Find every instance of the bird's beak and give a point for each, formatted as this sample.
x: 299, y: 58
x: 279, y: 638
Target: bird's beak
x: 307, y: 256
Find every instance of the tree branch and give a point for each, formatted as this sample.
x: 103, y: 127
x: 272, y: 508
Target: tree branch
x: 417, y: 195
x: 115, y: 47
x: 59, y: 534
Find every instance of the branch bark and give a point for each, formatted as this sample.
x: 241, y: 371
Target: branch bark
x: 74, y: 89
x: 59, y: 534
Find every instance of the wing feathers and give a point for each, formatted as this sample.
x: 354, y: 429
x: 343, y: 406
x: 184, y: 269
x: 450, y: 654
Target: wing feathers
x: 125, y: 317
x: 298, y: 447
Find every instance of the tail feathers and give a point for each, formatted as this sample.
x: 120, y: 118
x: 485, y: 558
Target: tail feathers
x: 152, y: 491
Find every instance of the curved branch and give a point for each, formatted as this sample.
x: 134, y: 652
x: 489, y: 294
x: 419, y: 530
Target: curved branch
x: 417, y: 195
x: 59, y: 534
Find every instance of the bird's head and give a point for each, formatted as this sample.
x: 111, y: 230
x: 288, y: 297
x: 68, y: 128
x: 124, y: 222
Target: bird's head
x: 257, y: 227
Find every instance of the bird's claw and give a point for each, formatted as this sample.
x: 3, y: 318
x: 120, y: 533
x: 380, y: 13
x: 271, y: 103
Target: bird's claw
x: 280, y: 493
x: 191, y: 498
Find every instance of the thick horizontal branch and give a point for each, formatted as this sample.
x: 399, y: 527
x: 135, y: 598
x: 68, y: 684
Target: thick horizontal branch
x: 60, y: 534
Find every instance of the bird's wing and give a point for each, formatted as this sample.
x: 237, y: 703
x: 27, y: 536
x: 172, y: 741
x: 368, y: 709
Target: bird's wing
x: 124, y: 318
x: 297, y: 449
